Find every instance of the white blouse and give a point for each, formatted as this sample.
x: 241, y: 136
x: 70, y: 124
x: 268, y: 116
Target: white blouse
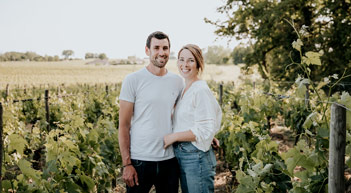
x: 198, y: 111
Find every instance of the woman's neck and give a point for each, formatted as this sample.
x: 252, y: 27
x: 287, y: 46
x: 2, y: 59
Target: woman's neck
x: 189, y: 81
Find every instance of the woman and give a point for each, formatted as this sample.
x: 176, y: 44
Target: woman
x: 196, y: 120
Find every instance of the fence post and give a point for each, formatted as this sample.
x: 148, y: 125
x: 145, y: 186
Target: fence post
x: 307, y: 96
x: 106, y: 88
x: 47, y: 109
x: 7, y: 91
x: 1, y: 144
x: 337, y: 143
x: 220, y: 94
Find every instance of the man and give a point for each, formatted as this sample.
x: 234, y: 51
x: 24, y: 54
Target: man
x: 146, y: 103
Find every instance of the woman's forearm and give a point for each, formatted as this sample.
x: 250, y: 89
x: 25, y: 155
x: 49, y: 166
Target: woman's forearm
x: 184, y: 136
x: 179, y: 136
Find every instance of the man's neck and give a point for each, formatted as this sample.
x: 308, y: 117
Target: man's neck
x: 156, y: 70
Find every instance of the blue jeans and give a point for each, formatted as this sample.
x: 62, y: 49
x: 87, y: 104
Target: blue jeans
x: 163, y: 174
x: 197, y: 168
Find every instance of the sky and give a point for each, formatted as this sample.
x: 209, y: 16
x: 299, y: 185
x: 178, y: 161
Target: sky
x: 118, y: 28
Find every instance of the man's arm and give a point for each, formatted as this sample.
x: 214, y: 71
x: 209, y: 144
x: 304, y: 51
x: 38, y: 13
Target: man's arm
x: 130, y: 176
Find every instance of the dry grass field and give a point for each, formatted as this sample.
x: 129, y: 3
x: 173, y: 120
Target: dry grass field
x: 72, y: 72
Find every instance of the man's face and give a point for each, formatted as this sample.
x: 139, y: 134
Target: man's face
x: 158, y: 52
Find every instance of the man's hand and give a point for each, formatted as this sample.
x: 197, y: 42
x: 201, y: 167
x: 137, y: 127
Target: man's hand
x: 215, y: 143
x: 130, y: 176
x: 169, y: 140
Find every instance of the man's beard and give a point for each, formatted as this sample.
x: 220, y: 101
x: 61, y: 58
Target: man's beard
x: 159, y: 65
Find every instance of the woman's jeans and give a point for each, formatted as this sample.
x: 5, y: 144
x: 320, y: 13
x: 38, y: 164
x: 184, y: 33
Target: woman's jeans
x: 197, y: 168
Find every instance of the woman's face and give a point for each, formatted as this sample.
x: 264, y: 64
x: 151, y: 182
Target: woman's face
x: 187, y: 65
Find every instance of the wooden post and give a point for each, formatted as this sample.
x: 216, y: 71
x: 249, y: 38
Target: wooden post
x: 307, y: 96
x: 106, y: 90
x: 1, y: 145
x: 7, y: 91
x: 220, y: 94
x: 47, y: 109
x: 337, y: 143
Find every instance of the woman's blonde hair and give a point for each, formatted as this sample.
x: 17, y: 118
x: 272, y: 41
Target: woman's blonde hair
x: 197, y: 53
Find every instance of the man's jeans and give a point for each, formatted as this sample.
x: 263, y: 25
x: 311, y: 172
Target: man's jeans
x: 197, y: 168
x: 163, y: 174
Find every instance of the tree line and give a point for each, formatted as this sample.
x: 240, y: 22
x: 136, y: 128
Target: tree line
x: 26, y: 56
x: 32, y: 56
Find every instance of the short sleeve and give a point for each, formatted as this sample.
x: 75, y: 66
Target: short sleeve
x: 128, y: 90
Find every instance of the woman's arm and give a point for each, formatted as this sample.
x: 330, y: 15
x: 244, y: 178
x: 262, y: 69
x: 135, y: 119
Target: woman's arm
x: 180, y: 136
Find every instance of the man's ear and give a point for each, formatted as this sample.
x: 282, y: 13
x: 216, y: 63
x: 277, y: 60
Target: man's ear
x: 147, y: 51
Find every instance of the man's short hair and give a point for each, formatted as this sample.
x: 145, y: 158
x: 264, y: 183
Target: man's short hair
x: 158, y: 35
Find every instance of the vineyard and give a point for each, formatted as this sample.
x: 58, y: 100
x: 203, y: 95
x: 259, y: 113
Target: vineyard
x: 65, y: 139
x: 74, y: 148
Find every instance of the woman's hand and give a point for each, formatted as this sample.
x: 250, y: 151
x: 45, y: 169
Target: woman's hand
x: 169, y: 140
x: 215, y: 143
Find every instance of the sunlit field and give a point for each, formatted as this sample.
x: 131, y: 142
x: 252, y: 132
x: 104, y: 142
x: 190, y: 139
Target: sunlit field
x: 72, y: 72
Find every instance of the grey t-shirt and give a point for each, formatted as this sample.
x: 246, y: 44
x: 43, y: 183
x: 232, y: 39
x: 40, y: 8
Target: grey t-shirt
x: 154, y: 98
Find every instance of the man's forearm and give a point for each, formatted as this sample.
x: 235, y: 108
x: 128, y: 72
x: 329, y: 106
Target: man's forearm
x: 124, y: 145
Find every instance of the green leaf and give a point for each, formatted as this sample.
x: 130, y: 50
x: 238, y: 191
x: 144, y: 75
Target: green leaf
x: 68, y: 161
x: 303, y: 175
x: 301, y: 86
x: 323, y: 132
x: 346, y: 100
x: 88, y: 181
x: 6, y: 185
x: 17, y: 143
x: 27, y: 170
x: 312, y: 58
x: 246, y: 183
x: 51, y: 168
x: 309, y: 120
x: 297, y: 44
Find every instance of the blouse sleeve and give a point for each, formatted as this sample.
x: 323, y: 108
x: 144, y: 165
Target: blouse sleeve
x: 205, y: 114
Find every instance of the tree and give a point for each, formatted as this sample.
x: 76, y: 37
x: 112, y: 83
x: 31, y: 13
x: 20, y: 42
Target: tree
x: 324, y: 25
x: 102, y: 56
x: 90, y: 55
x: 172, y: 55
x: 240, y: 53
x: 67, y: 53
x: 217, y: 55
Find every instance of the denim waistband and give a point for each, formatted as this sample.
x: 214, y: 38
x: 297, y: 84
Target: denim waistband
x: 176, y: 144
